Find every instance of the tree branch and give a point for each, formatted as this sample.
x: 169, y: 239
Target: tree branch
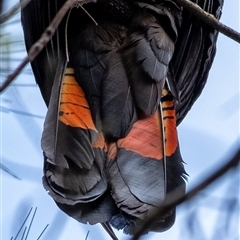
x: 44, y: 39
x: 164, y: 208
x: 13, y: 10
x: 209, y: 19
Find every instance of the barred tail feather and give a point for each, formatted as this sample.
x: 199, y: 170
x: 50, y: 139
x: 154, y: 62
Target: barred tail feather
x: 74, y: 157
x: 144, y: 167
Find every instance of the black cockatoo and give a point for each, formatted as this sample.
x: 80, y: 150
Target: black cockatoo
x: 115, y: 93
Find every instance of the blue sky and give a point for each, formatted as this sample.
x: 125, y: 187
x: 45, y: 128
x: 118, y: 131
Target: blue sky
x: 206, y: 135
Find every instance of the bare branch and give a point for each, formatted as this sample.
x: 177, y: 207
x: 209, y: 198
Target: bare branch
x: 44, y: 39
x: 164, y: 208
x: 209, y: 19
x: 43, y: 231
x: 14, y: 74
x: 7, y: 170
x: 13, y: 10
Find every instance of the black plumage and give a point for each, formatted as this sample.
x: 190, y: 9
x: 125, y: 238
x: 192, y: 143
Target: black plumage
x: 110, y: 144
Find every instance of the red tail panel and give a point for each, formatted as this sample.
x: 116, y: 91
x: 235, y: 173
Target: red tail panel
x: 74, y: 109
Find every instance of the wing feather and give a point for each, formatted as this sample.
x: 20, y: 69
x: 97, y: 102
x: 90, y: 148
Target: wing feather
x: 194, y: 36
x: 146, y: 57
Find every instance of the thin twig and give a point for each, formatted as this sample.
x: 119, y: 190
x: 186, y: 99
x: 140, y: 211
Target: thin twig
x: 42, y: 232
x: 25, y: 229
x: 44, y: 39
x: 233, y: 162
x: 209, y: 19
x: 23, y: 223
x: 88, y: 14
x: 10, y: 22
x: 30, y: 225
x: 87, y: 235
x: 7, y: 170
x: 14, y: 74
x: 13, y: 10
